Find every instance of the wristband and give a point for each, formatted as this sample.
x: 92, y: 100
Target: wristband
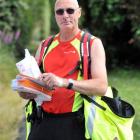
x: 70, y: 85
x: 60, y: 83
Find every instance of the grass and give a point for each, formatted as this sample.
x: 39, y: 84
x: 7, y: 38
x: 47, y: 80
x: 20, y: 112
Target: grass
x: 127, y: 82
x: 10, y: 104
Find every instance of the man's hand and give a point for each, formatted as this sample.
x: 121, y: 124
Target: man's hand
x: 52, y: 80
x: 25, y: 95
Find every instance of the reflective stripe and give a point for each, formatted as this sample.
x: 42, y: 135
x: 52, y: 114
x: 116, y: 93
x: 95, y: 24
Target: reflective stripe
x: 82, y: 49
x: 87, y: 49
x: 90, y: 121
x: 28, y: 111
x: 78, y: 100
x: 76, y: 43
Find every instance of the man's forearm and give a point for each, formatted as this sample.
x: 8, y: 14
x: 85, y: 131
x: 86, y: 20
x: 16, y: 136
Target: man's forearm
x: 89, y: 87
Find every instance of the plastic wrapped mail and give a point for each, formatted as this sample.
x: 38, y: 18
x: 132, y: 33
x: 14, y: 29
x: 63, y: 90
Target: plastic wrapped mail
x: 27, y: 85
x: 40, y: 95
x: 27, y: 80
x: 28, y: 66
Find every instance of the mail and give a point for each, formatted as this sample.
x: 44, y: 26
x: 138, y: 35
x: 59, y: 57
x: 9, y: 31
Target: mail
x: 28, y: 66
x: 27, y: 81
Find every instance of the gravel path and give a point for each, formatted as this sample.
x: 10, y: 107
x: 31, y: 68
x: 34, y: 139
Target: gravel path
x: 22, y: 134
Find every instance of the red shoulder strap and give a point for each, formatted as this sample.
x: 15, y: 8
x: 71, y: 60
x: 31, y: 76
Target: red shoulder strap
x: 87, y: 43
x: 85, y: 56
x: 44, y: 44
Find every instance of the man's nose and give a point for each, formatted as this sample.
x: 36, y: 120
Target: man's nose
x: 65, y: 14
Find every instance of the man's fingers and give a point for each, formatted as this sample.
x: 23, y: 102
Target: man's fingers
x: 27, y: 95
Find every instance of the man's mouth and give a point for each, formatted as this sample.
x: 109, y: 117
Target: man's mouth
x: 66, y: 22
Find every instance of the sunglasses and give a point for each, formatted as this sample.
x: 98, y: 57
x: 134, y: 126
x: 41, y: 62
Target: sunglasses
x: 69, y: 11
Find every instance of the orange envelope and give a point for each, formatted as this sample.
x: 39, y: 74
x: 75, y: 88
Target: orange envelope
x: 33, y: 83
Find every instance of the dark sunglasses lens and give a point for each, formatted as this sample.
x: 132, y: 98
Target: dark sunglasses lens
x: 70, y: 11
x: 60, y: 11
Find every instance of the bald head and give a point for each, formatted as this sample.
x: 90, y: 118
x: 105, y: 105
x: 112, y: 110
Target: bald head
x: 74, y: 2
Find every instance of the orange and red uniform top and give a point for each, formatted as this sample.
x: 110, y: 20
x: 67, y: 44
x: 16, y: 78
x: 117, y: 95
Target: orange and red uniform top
x: 60, y: 59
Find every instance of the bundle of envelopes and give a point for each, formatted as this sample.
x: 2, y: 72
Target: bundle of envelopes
x: 24, y: 83
x: 27, y: 79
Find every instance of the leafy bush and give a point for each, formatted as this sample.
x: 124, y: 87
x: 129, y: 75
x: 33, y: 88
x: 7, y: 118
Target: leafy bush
x: 116, y: 22
x: 9, y: 14
x: 21, y: 21
x: 31, y: 17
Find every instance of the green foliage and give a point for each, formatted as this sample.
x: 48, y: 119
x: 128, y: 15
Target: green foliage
x: 46, y: 18
x: 7, y: 65
x: 54, y: 27
x: 30, y: 18
x: 116, y: 22
x: 10, y: 102
x: 134, y: 14
x: 8, y: 11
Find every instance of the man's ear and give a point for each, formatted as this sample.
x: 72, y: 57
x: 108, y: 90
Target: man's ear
x: 79, y: 12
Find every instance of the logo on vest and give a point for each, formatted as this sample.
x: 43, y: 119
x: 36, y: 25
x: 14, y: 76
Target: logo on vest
x: 69, y: 52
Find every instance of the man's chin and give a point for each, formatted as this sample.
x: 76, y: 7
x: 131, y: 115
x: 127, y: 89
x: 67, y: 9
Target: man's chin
x: 67, y: 27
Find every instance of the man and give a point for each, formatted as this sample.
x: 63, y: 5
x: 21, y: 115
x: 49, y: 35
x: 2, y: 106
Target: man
x: 60, y: 121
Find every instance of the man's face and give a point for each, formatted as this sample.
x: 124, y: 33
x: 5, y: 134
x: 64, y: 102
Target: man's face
x: 67, y: 14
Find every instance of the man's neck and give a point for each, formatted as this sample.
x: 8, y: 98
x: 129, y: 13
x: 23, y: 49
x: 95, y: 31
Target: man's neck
x: 68, y: 35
